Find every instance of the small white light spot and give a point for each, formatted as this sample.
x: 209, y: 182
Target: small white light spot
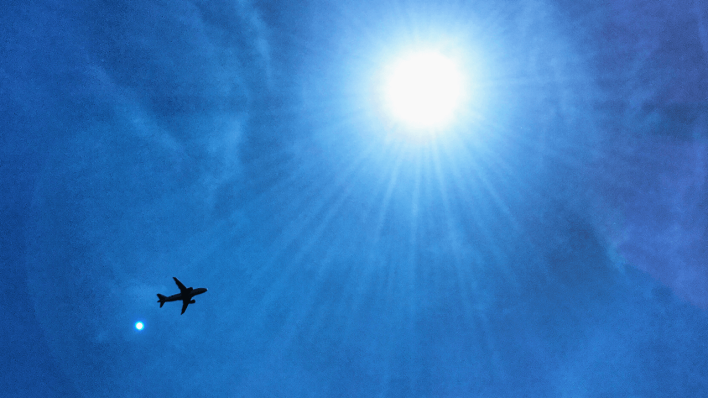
x: 139, y: 325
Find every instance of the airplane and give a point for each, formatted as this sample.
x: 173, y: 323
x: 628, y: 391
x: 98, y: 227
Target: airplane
x: 185, y: 294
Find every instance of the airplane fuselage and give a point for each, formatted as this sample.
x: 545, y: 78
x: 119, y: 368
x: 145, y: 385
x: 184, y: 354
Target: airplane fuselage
x: 189, y: 294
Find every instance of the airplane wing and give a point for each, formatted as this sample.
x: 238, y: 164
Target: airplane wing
x: 185, y: 303
x: 179, y: 285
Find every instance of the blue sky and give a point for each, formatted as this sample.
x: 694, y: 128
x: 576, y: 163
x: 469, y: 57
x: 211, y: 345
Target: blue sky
x: 550, y: 241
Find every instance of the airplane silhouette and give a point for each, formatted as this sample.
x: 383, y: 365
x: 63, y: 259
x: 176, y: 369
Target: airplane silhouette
x: 185, y: 294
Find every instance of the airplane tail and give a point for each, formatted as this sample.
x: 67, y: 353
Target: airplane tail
x: 161, y: 299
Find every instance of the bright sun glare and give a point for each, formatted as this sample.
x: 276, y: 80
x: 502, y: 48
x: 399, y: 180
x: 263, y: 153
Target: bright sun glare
x: 423, y: 90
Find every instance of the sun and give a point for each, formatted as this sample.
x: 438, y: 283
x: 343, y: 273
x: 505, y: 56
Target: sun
x: 423, y: 90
